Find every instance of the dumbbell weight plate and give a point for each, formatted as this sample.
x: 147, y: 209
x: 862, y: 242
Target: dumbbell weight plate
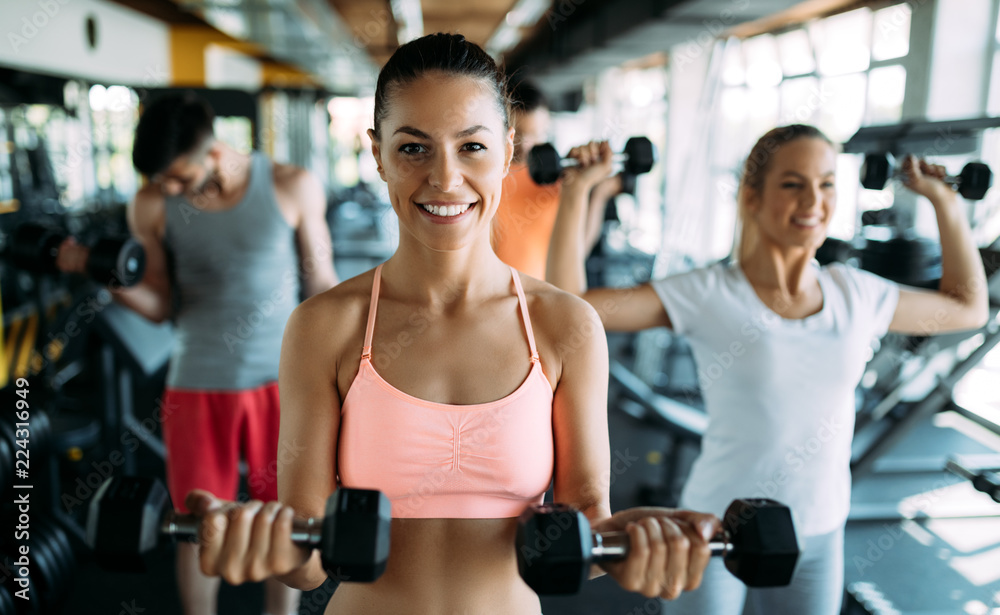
x: 55, y: 575
x: 547, y: 561
x: 118, y: 522
x: 876, y: 170
x: 352, y: 517
x: 119, y: 260
x: 765, y: 548
x: 67, y: 555
x: 34, y: 248
x: 66, y: 549
x: 60, y: 570
x: 131, y: 263
x: 42, y: 574
x: 544, y: 164
x: 975, y: 180
x: 641, y: 155
x: 62, y: 552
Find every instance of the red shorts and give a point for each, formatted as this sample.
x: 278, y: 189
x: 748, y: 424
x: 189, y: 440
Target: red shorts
x: 206, y: 432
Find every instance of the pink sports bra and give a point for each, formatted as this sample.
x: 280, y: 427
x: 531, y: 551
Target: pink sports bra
x: 476, y: 461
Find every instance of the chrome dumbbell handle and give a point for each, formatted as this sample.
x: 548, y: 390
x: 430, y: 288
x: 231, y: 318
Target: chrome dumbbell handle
x: 609, y: 546
x: 307, y: 532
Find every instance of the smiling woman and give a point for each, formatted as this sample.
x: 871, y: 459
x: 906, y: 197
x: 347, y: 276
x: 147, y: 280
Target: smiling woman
x: 477, y: 405
x: 805, y: 143
x: 783, y: 343
x: 439, y: 160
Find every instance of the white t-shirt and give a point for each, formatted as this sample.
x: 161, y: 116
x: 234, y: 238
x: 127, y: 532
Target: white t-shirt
x: 779, y: 393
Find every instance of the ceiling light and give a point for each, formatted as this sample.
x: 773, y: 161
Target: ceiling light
x: 525, y: 14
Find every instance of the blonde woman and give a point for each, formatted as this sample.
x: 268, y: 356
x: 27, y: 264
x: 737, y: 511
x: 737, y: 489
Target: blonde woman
x: 794, y: 338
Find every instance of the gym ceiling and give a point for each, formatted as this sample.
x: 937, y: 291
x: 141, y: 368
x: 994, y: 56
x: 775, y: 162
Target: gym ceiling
x: 560, y: 42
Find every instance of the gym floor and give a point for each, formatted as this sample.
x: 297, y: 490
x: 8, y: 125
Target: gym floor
x: 928, y: 564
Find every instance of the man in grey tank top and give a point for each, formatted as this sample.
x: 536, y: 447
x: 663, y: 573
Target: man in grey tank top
x: 233, y: 241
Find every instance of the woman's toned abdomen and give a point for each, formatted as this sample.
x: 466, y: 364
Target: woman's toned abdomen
x: 444, y: 566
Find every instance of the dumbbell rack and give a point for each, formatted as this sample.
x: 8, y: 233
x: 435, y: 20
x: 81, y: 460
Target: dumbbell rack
x: 54, y: 538
x: 56, y: 535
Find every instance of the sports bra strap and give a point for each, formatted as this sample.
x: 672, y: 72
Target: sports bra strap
x: 366, y: 352
x: 524, y: 314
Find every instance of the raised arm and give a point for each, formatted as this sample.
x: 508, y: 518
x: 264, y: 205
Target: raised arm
x: 962, y: 300
x: 620, y: 309
x: 146, y: 217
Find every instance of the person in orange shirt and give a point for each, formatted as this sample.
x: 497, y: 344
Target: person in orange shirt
x: 523, y: 224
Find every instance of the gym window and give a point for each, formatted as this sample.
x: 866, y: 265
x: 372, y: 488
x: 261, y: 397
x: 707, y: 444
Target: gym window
x: 838, y: 73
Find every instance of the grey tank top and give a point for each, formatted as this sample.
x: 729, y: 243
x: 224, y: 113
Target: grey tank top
x: 236, y: 275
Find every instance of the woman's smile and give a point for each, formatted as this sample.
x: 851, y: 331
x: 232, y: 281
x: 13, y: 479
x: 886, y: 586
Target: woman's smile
x: 446, y: 212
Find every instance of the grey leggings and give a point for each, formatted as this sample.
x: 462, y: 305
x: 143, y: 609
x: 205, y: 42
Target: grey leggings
x: 816, y: 589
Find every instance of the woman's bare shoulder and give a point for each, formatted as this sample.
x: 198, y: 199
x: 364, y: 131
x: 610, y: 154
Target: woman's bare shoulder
x: 337, y: 314
x: 557, y: 314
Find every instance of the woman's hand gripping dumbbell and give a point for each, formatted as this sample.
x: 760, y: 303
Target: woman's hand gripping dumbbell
x: 556, y: 547
x: 130, y: 516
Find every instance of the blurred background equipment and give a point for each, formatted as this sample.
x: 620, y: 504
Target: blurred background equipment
x: 110, y: 260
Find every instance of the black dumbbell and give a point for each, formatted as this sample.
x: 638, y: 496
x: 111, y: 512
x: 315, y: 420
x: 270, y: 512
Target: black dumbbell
x: 121, y: 260
x: 545, y: 165
x: 35, y: 247
x: 129, y: 516
x: 46, y: 572
x: 53, y: 563
x: 555, y: 546
x: 972, y: 183
x: 986, y: 482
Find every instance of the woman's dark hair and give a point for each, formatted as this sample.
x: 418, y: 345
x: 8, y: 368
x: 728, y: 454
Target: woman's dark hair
x: 173, y: 125
x: 448, y: 53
